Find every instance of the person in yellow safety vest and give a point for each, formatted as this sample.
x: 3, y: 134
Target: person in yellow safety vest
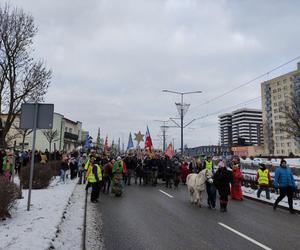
x: 263, y: 178
x: 94, y: 178
x: 208, y: 164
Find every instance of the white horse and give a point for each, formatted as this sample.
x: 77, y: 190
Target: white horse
x: 196, y: 185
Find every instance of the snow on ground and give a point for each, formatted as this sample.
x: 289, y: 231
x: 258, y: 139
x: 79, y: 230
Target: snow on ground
x: 293, y: 162
x: 252, y: 193
x: 70, y: 231
x: 34, y: 229
x: 94, y: 237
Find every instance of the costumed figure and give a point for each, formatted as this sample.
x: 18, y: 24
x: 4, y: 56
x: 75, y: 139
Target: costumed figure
x: 119, y: 170
x: 222, y: 180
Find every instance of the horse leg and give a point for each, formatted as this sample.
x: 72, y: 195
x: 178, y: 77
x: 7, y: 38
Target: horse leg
x: 199, y: 198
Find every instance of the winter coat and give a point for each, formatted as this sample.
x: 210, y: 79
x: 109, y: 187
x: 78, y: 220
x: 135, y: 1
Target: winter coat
x: 284, y: 178
x: 222, y: 179
x: 236, y: 187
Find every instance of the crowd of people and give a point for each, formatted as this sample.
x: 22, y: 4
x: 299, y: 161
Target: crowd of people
x: 111, y: 174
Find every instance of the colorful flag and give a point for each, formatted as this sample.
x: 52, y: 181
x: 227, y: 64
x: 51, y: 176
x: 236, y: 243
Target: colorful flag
x: 148, y: 141
x: 105, y: 147
x: 88, y: 142
x: 169, y: 151
x: 130, y: 142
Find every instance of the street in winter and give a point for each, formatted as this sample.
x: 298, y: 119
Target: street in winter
x: 129, y: 124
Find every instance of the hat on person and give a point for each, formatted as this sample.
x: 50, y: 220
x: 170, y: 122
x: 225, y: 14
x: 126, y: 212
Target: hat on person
x: 118, y: 158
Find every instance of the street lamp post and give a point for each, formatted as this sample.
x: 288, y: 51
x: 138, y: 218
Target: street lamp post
x: 182, y: 110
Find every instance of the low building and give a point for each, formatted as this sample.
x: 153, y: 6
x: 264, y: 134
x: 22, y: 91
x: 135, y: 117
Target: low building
x: 247, y: 151
x: 66, y: 133
x: 211, y: 150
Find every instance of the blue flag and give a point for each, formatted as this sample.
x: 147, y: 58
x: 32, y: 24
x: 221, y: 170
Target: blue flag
x: 88, y: 142
x: 130, y: 142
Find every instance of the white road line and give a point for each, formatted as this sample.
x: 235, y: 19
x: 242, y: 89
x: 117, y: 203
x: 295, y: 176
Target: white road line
x: 245, y: 236
x: 166, y: 193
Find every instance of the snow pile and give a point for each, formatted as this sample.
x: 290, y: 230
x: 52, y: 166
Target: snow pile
x: 34, y: 229
x: 69, y: 235
x: 252, y: 193
x: 292, y: 162
x: 94, y: 237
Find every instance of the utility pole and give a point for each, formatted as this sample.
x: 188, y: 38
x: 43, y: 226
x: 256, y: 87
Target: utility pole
x: 164, y: 128
x: 182, y: 109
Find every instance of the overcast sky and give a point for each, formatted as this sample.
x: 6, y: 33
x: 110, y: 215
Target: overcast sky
x: 111, y: 59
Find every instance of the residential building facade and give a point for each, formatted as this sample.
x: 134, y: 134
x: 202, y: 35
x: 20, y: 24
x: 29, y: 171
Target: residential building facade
x: 241, y: 127
x: 67, y: 138
x: 225, y: 129
x: 276, y: 96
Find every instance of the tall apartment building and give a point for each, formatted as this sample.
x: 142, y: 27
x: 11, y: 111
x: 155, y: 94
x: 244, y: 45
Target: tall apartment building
x: 247, y: 127
x: 276, y: 95
x: 241, y: 127
x: 225, y: 129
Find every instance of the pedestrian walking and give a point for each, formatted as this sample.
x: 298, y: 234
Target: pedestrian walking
x: 222, y: 179
x: 236, y: 192
x: 119, y: 170
x: 184, y: 171
x: 107, y: 175
x: 94, y: 178
x: 284, y: 180
x: 64, y: 167
x: 263, y: 178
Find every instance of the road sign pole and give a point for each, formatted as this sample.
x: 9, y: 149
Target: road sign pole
x: 32, y: 155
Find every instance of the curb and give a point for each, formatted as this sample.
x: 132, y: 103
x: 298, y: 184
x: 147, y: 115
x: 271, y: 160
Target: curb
x: 268, y: 203
x: 84, y: 222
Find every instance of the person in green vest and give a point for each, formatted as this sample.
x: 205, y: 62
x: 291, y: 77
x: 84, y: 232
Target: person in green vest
x: 263, y: 178
x: 94, y: 178
x: 208, y: 164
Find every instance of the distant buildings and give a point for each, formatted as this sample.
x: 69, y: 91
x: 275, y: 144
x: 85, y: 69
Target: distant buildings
x: 69, y: 135
x: 242, y: 127
x: 210, y: 150
x: 276, y: 95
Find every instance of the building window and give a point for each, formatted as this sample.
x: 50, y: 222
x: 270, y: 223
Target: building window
x: 70, y: 130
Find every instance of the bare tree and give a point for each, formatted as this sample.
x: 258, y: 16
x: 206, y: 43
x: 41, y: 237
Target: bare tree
x: 22, y: 78
x: 24, y: 133
x: 291, y: 113
x: 51, y: 136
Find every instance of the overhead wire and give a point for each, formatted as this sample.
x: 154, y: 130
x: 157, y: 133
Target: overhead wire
x: 247, y: 83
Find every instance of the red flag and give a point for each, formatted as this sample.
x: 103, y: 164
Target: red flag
x: 148, y: 140
x: 169, y: 151
x: 105, y: 148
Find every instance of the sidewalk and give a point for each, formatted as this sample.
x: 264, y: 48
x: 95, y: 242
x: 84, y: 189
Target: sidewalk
x: 250, y: 193
x: 35, y: 229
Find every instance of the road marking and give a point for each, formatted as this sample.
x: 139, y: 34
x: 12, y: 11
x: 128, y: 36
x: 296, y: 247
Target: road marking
x: 245, y: 237
x: 166, y: 193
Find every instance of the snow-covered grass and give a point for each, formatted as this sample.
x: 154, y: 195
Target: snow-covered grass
x: 34, y: 229
x: 252, y: 193
x: 70, y: 231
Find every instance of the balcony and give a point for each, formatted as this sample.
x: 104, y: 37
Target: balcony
x: 70, y: 136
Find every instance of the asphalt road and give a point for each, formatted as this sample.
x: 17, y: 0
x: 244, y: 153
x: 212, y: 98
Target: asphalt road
x: 146, y: 218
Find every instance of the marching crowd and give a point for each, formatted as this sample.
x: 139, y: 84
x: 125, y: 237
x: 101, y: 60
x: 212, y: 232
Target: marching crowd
x: 105, y: 174
x: 112, y: 175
